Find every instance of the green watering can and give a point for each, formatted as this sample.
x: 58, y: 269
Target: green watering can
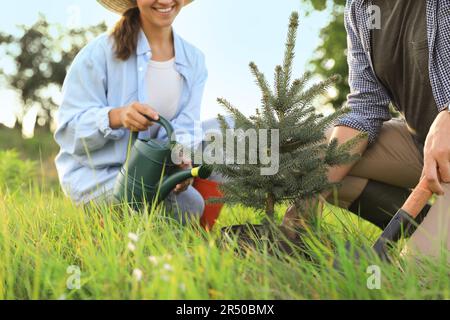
x: 141, y: 178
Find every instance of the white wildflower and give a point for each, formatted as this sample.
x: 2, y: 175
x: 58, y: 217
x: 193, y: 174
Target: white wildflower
x: 131, y: 246
x: 182, y: 287
x: 133, y: 237
x: 167, y: 267
x: 153, y: 260
x: 137, y: 274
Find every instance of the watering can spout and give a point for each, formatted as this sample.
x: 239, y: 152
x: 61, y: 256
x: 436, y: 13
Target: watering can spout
x: 170, y: 182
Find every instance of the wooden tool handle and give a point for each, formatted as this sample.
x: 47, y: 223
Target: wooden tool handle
x: 418, y: 199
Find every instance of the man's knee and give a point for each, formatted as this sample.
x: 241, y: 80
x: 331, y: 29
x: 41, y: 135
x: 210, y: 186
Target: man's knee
x: 349, y: 190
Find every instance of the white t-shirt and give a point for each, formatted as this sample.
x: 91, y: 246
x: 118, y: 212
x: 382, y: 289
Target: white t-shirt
x: 164, y: 87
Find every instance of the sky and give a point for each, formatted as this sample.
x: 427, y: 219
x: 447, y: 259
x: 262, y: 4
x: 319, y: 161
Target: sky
x: 231, y: 33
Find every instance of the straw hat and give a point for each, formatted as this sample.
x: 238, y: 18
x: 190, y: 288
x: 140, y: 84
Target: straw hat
x: 121, y: 6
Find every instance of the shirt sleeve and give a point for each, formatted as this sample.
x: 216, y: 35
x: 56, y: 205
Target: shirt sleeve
x: 83, y: 116
x: 368, y: 101
x: 187, y: 125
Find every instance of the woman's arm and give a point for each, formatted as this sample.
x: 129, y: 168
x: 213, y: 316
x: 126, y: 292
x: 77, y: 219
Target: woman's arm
x: 83, y: 123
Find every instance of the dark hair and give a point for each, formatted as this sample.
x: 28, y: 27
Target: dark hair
x: 125, y: 34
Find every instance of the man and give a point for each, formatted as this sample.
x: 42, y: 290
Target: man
x: 406, y: 62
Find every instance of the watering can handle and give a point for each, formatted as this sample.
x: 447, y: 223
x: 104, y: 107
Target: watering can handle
x: 164, y: 123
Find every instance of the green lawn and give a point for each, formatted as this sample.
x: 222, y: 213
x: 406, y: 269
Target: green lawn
x: 42, y: 234
x: 46, y: 242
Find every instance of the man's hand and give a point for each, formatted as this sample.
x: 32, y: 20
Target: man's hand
x: 132, y: 117
x: 436, y: 167
x: 181, y: 187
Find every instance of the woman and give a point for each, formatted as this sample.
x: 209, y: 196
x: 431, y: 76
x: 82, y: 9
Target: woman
x: 142, y: 68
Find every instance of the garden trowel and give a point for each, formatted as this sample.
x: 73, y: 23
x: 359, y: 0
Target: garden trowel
x: 404, y: 217
x: 399, y: 224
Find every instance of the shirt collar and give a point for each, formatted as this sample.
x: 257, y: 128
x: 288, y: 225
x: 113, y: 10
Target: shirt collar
x: 143, y: 47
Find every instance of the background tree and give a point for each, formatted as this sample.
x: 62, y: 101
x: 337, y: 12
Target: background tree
x: 304, y: 153
x: 40, y: 57
x: 331, y: 55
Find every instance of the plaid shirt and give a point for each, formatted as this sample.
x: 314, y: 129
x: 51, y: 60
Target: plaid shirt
x: 368, y: 99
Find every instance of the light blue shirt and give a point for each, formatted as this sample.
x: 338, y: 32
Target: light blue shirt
x: 91, y: 153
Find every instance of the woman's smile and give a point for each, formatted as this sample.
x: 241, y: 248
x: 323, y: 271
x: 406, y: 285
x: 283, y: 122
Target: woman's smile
x: 165, y: 11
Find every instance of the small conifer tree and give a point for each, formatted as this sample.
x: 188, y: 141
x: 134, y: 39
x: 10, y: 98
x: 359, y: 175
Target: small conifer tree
x: 304, y: 153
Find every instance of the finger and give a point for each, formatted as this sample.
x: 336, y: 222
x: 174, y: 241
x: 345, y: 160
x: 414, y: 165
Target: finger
x: 183, y: 186
x: 178, y: 188
x: 134, y: 125
x: 188, y: 183
x: 184, y: 166
x: 148, y: 111
x: 138, y: 117
x: 128, y: 124
x: 431, y: 175
x: 444, y: 170
x: 187, y: 161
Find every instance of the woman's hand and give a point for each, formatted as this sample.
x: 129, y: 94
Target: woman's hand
x: 436, y: 167
x: 181, y: 187
x: 132, y: 117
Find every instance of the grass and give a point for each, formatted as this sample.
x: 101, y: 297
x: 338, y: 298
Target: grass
x: 42, y: 234
x: 45, y: 240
